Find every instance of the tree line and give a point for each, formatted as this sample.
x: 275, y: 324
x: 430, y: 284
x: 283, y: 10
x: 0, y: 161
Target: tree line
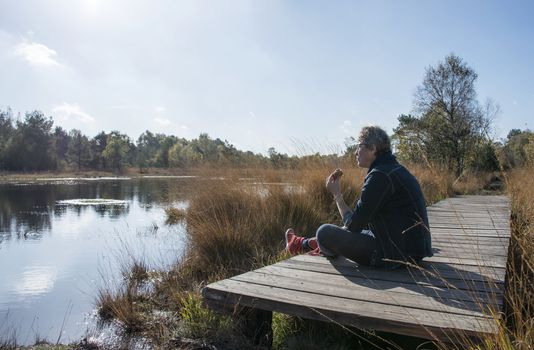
x: 33, y: 143
x: 449, y: 128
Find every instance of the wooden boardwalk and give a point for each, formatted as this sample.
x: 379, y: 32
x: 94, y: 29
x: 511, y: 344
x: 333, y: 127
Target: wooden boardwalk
x: 451, y: 296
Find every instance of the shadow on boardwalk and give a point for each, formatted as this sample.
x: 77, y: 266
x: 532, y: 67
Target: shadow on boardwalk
x: 445, y: 283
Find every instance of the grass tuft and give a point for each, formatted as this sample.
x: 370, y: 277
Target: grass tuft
x: 175, y: 215
x: 124, y: 306
x: 200, y: 321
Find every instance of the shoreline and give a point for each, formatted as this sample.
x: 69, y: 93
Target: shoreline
x: 129, y: 173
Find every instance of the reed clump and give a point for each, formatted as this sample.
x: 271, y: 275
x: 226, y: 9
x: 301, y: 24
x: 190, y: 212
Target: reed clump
x: 438, y: 183
x: 124, y: 305
x: 233, y: 227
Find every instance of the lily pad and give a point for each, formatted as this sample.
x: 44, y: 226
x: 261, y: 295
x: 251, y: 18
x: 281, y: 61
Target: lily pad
x: 92, y: 201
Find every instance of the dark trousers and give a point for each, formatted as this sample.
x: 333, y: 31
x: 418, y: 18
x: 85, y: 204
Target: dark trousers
x: 358, y: 247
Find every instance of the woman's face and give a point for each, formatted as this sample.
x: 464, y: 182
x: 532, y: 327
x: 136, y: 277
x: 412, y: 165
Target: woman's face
x: 365, y: 154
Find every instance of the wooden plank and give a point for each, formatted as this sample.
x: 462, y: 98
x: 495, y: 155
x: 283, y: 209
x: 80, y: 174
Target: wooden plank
x: 449, y: 229
x: 484, y: 284
x: 480, y: 210
x: 427, y: 297
x: 494, y: 262
x: 479, y: 220
x: 333, y: 285
x: 479, y: 248
x: 463, y: 234
x: 453, y: 219
x: 469, y: 242
x: 449, y: 283
x: 482, y: 241
x: 467, y: 261
x: 495, y: 242
x: 472, y: 208
x: 463, y: 202
x: 464, y: 215
x: 453, y: 223
x: 458, y: 229
x: 467, y: 225
x: 459, y: 202
x: 395, y: 319
x: 477, y: 199
x: 470, y: 230
x: 476, y: 273
x: 458, y: 211
x: 473, y: 253
x: 492, y: 274
x: 498, y: 244
x: 479, y: 214
x: 469, y: 247
x: 500, y: 241
x: 461, y: 253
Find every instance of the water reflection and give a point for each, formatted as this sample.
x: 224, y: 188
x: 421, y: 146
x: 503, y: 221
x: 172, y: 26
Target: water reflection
x: 54, y: 247
x: 36, y: 280
x: 26, y: 209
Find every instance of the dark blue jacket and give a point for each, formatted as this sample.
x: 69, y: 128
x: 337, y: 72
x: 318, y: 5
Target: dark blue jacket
x: 392, y: 206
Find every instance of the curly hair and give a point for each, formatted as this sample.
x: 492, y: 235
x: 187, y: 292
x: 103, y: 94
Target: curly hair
x: 375, y: 136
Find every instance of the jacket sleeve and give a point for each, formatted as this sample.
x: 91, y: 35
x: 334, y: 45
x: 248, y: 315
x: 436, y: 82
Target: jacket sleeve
x: 375, y: 191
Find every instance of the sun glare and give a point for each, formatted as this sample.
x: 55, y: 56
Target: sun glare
x: 92, y: 7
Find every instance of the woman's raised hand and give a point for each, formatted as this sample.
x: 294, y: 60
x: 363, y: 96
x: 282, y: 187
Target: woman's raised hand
x: 332, y: 182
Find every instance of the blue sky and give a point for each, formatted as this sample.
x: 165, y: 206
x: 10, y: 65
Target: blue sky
x: 297, y: 75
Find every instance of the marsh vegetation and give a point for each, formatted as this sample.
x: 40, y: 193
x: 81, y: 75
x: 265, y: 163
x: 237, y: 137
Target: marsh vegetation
x: 233, y: 227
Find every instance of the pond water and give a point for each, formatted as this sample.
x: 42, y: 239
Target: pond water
x: 61, y: 241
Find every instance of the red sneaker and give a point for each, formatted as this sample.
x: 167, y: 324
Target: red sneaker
x: 294, y: 242
x: 312, y: 244
x: 315, y: 252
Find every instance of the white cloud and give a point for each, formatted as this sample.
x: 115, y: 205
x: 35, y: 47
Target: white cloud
x: 36, y: 54
x: 162, y: 121
x: 73, y: 111
x: 160, y: 109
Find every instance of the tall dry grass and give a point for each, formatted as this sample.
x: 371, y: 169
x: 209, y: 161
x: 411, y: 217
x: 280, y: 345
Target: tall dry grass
x: 235, y: 223
x: 517, y: 330
x: 516, y: 322
x: 233, y: 227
